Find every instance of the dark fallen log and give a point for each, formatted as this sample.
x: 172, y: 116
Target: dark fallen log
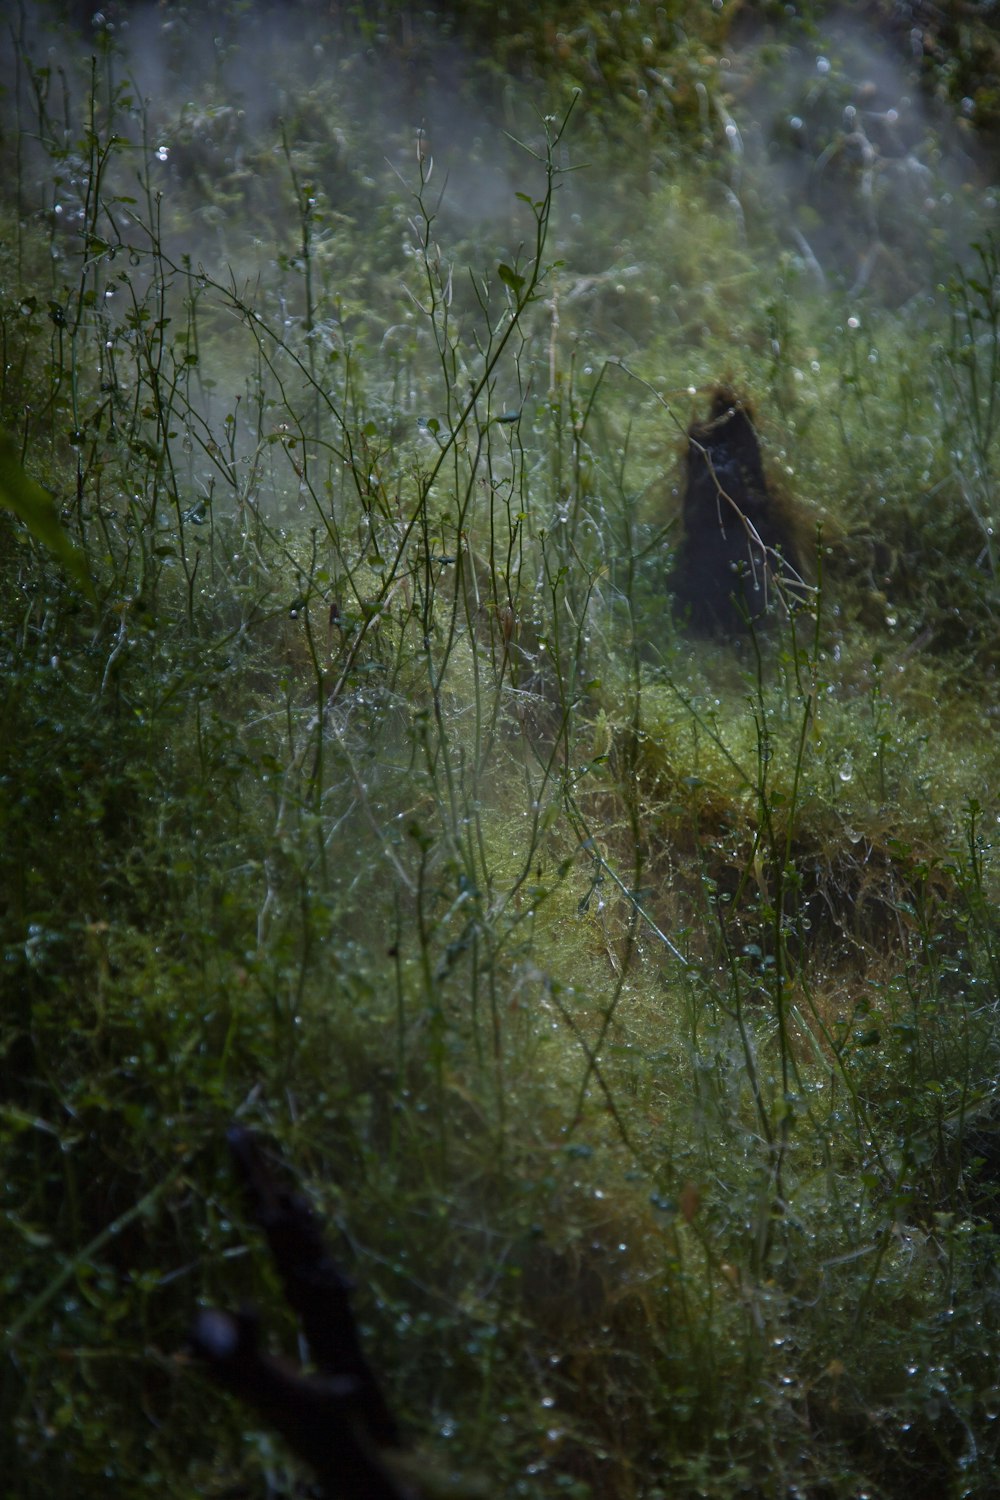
x: 337, y: 1420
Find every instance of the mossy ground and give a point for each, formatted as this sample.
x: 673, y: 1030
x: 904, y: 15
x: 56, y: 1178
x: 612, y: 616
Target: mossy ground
x: 627, y: 1001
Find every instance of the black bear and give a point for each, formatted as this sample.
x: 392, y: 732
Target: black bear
x: 739, y: 554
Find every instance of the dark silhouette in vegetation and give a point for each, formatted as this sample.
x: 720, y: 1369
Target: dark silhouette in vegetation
x: 740, y: 554
x: 336, y: 1420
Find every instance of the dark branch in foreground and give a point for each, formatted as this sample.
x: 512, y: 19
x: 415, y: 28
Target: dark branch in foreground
x: 338, y: 1420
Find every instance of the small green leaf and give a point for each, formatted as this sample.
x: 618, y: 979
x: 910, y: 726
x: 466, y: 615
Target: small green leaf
x: 36, y: 508
x: 510, y: 278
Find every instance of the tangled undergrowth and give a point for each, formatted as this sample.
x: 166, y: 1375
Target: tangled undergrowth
x: 628, y: 1000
